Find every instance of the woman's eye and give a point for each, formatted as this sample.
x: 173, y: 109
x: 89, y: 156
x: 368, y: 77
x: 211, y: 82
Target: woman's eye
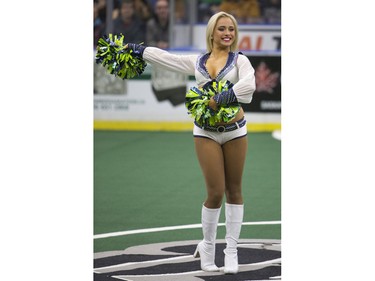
x: 223, y: 29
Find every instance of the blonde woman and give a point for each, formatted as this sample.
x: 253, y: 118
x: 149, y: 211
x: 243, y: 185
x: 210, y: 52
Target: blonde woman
x: 221, y: 149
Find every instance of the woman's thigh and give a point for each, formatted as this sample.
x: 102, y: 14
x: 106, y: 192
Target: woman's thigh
x: 234, y: 153
x: 211, y: 160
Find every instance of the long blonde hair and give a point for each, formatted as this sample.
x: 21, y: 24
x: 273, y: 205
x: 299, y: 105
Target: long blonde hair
x: 210, y: 30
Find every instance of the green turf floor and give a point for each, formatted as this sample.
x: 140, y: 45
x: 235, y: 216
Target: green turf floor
x: 152, y: 179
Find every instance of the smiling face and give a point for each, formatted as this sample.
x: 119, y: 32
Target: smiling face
x: 224, y: 33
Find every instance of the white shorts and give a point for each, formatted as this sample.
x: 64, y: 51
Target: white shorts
x: 220, y: 138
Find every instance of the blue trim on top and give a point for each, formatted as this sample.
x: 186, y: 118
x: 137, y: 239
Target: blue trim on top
x: 201, y: 66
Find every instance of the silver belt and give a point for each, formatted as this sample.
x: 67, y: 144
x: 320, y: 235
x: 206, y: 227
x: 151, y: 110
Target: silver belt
x: 224, y: 128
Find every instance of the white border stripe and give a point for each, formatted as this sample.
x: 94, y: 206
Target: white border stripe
x: 159, y: 261
x: 168, y: 228
x: 269, y: 262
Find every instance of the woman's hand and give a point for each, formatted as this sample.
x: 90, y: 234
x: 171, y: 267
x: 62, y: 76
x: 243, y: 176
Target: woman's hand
x: 137, y: 49
x: 212, y: 103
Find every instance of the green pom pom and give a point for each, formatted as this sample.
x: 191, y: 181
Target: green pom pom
x: 117, y: 58
x: 196, y: 102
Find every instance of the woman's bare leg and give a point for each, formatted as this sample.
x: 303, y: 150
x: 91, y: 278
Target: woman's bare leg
x: 234, y: 161
x: 211, y: 159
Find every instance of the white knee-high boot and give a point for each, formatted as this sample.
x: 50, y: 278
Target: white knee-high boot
x: 233, y: 223
x: 206, y: 248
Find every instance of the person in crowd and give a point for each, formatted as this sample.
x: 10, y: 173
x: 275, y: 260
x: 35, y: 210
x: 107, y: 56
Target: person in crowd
x: 143, y: 10
x: 101, y: 6
x: 99, y: 25
x: 102, y: 9
x: 207, y: 8
x: 232, y: 7
x: 249, y: 11
x: 157, y: 35
x: 272, y: 11
x: 100, y: 17
x: 157, y: 28
x: 221, y: 148
x: 180, y: 11
x: 245, y: 11
x: 128, y: 24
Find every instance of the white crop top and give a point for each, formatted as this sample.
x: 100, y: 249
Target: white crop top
x: 237, y: 70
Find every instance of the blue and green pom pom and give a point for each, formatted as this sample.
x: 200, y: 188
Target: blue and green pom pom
x: 197, y: 99
x: 117, y: 58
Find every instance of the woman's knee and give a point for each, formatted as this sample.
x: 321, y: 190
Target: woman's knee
x: 234, y: 196
x: 214, y: 199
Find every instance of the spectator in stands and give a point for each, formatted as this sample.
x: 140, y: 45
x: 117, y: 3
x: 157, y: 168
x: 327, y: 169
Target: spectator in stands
x: 102, y: 9
x: 231, y: 7
x: 157, y: 35
x: 180, y: 9
x: 157, y: 28
x: 100, y: 17
x: 272, y: 11
x: 152, y: 2
x: 129, y: 24
x: 143, y: 10
x: 99, y: 25
x: 101, y: 6
x: 249, y: 11
x: 245, y: 11
x: 207, y: 8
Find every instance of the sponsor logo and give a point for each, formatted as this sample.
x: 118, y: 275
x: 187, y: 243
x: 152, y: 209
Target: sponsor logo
x: 270, y: 105
x: 266, y: 80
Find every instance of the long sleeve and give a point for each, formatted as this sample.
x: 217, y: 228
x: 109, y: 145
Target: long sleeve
x: 245, y: 87
x: 180, y: 63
